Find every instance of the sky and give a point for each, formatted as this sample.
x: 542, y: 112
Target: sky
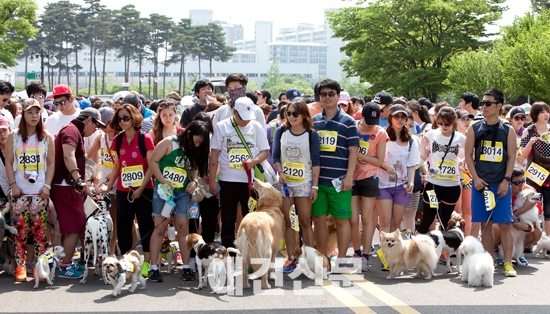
x: 283, y: 13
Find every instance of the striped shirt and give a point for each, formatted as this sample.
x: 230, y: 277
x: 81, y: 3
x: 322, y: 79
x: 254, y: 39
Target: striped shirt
x: 335, y: 164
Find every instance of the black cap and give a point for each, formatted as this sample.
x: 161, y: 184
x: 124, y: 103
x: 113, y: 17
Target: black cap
x: 131, y: 99
x: 383, y: 99
x: 425, y: 102
x: 371, y: 113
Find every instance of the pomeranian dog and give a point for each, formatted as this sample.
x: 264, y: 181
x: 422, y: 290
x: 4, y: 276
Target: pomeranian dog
x: 403, y: 254
x: 543, y: 245
x: 529, y: 217
x: 478, y: 267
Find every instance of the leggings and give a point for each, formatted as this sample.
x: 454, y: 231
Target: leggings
x: 231, y: 194
x: 447, y: 197
x: 30, y: 215
x: 209, y: 215
x: 142, y: 210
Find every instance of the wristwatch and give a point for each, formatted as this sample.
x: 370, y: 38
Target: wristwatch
x: 49, y: 187
x: 508, y: 179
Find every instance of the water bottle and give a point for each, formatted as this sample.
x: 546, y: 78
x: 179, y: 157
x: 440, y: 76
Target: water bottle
x: 167, y: 209
x: 171, y: 233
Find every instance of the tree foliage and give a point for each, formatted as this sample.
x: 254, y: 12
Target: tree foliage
x: 275, y: 82
x: 404, y: 46
x: 540, y: 5
x: 16, y: 26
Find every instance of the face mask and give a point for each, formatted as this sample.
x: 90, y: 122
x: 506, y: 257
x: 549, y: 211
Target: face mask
x: 235, y: 94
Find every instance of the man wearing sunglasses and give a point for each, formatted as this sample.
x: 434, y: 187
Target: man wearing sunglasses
x: 384, y: 101
x: 494, y: 145
x: 6, y: 89
x: 66, y: 111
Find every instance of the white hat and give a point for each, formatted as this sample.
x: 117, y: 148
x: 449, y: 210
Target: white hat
x: 245, y: 108
x: 431, y: 111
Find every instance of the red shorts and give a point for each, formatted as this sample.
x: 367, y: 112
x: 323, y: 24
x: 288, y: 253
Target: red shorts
x: 69, y: 206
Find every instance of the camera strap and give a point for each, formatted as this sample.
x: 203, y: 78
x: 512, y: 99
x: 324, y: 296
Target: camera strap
x: 447, y: 150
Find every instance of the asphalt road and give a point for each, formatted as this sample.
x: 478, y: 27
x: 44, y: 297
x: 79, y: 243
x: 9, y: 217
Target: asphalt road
x: 368, y: 292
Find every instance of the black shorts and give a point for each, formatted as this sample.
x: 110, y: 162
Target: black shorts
x: 367, y: 187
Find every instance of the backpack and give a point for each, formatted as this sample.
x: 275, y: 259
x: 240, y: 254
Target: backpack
x: 141, y: 144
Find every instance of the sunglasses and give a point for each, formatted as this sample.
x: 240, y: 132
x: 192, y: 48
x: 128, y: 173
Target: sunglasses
x: 166, y: 105
x: 60, y: 103
x: 444, y: 124
x: 329, y: 94
x: 295, y: 114
x: 518, y: 183
x: 5, y: 99
x: 487, y: 103
x: 124, y: 118
x: 37, y: 96
x: 522, y: 118
x: 96, y: 124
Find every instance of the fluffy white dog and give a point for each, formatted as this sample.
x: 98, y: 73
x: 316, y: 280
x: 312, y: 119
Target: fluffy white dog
x: 478, y: 264
x: 543, y: 245
x: 47, y: 264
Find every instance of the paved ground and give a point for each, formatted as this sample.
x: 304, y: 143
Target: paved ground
x: 369, y: 292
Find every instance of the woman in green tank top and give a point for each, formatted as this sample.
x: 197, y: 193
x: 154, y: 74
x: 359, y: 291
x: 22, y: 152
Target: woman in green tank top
x: 177, y: 161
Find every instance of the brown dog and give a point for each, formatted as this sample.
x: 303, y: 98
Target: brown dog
x: 260, y: 232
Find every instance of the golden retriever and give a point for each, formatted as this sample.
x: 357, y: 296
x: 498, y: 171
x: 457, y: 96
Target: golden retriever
x: 260, y: 233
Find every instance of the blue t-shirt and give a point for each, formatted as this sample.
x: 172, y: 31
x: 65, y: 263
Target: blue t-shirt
x: 335, y: 164
x: 384, y: 122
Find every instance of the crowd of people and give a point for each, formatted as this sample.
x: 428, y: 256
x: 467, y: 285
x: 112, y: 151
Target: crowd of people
x: 384, y: 163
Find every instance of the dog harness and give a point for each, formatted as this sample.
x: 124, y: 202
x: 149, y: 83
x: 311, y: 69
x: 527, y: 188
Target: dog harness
x: 126, y: 267
x: 171, y: 248
x: 49, y: 257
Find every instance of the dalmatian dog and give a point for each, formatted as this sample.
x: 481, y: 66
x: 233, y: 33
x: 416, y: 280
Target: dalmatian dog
x: 98, y: 234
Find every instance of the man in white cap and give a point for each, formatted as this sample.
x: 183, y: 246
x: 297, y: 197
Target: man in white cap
x: 230, y: 152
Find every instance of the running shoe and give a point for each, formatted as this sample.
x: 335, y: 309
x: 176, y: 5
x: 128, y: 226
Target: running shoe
x: 509, y: 270
x: 21, y: 273
x: 289, y: 266
x: 155, y: 276
x: 70, y: 272
x: 145, y: 269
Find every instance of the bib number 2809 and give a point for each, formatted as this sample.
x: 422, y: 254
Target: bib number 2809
x: 132, y: 176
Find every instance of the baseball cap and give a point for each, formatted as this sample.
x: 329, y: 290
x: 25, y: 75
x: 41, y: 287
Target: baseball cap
x: 293, y: 93
x: 245, y: 108
x: 106, y: 113
x: 91, y: 112
x: 85, y: 103
x: 48, y: 105
x: 461, y: 113
x: 517, y: 111
x: 395, y: 109
x: 382, y: 99
x: 131, y: 99
x: 29, y: 103
x: 4, y: 123
x: 431, y: 111
x: 425, y: 102
x: 61, y: 89
x: 526, y: 108
x: 371, y: 113
x: 344, y: 98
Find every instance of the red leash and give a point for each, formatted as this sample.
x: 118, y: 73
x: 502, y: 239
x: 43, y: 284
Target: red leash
x: 249, y: 175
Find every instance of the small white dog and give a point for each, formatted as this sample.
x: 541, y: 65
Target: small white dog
x: 308, y: 258
x: 47, y: 264
x: 118, y: 271
x: 478, y: 267
x: 529, y: 217
x: 543, y: 245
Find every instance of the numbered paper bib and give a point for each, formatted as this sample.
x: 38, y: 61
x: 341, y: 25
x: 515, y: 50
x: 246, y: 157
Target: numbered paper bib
x: 328, y: 140
x: 492, y: 154
x: 489, y: 198
x: 294, y: 171
x: 132, y: 176
x: 29, y: 159
x: 293, y: 216
x: 432, y: 198
x: 363, y: 148
x: 176, y: 176
x: 448, y: 170
x: 251, y: 204
x: 107, y: 161
x: 536, y: 173
x: 236, y: 158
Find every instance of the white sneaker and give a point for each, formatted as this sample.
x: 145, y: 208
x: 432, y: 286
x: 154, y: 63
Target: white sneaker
x: 193, y: 264
x: 365, y: 263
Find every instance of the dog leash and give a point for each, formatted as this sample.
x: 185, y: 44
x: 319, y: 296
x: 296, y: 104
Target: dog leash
x: 146, y: 235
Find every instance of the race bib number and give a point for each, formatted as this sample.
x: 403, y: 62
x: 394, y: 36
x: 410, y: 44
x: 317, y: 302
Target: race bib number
x: 294, y: 171
x: 106, y: 158
x: 363, y: 148
x: 251, y: 204
x: 448, y: 170
x: 489, y: 198
x: 328, y: 140
x: 293, y: 216
x: 132, y: 176
x: 29, y: 159
x: 236, y: 158
x: 536, y: 173
x: 432, y: 199
x: 176, y: 176
x: 492, y: 154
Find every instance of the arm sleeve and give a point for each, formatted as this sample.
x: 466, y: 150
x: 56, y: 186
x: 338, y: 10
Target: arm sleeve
x: 216, y: 140
x: 414, y: 155
x: 352, y: 135
x: 276, y: 145
x: 525, y: 139
x: 149, y: 144
x: 315, y: 149
x: 261, y: 138
x: 70, y: 136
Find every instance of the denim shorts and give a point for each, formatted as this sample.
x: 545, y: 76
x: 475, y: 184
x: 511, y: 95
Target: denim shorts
x: 400, y: 197
x: 182, y: 200
x: 302, y: 190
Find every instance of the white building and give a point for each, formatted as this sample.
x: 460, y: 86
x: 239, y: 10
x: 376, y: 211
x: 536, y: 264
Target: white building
x: 200, y: 17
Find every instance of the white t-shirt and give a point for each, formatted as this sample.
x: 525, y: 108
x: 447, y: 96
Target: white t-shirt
x: 400, y: 158
x: 226, y: 111
x: 56, y: 121
x: 232, y: 151
x: 296, y: 157
x: 448, y: 174
x: 31, y: 161
x: 44, y: 115
x: 8, y: 116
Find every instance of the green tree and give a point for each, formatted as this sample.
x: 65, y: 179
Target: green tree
x: 16, y: 25
x: 403, y: 46
x: 475, y: 71
x: 354, y: 88
x: 182, y: 46
x: 540, y: 5
x: 105, y: 28
x: 161, y: 30
x: 128, y: 19
x: 275, y: 82
x: 212, y: 43
x: 87, y: 14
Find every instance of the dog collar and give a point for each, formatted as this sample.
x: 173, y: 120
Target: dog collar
x: 119, y: 273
